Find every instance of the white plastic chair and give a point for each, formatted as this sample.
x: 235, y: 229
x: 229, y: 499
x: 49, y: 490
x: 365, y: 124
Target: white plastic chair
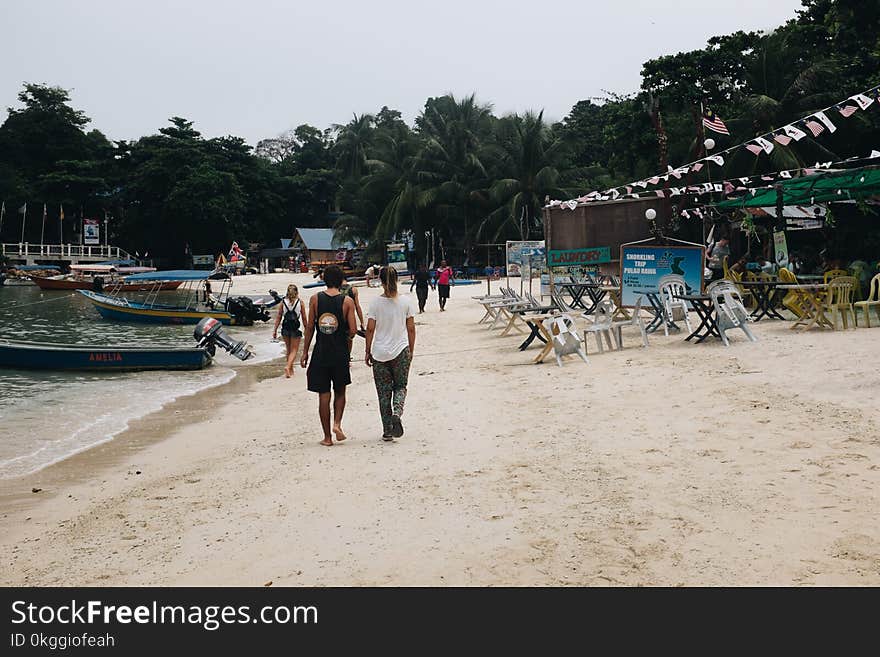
x: 670, y: 287
x: 565, y: 338
x: 602, y: 326
x: 729, y: 311
x: 635, y: 320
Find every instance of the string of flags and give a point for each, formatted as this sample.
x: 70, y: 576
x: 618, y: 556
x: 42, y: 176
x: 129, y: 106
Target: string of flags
x: 814, y: 124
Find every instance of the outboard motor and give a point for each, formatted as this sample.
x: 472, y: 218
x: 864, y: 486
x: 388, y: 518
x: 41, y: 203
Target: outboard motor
x: 209, y: 333
x: 245, y: 311
x: 98, y: 284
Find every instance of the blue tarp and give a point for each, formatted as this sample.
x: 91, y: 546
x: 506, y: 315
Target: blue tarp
x: 35, y: 267
x: 177, y: 275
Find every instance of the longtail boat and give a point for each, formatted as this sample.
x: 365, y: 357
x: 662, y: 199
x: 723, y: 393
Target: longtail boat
x: 101, y: 277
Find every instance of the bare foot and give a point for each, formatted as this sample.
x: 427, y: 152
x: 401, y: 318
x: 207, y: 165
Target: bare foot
x: 327, y: 442
x: 287, y: 372
x: 339, y: 435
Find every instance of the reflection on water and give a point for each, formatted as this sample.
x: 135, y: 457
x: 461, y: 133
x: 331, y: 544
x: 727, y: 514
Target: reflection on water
x: 46, y: 416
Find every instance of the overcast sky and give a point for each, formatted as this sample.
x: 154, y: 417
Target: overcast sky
x: 255, y: 68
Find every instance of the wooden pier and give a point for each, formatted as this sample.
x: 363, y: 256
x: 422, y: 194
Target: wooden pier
x: 26, y: 253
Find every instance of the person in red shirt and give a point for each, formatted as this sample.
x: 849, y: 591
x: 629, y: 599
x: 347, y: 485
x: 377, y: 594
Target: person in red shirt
x: 444, y: 276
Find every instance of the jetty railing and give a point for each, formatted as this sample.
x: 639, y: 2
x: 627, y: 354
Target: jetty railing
x: 63, y: 251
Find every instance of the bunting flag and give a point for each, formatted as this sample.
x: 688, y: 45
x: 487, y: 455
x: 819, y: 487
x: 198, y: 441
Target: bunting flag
x: 814, y: 126
x: 846, y: 111
x: 825, y: 121
x: 717, y: 159
x: 784, y: 174
x: 862, y: 101
x: 781, y: 138
x: 61, y: 212
x: 754, y: 148
x: 714, y: 123
x: 767, y: 146
x: 793, y: 132
x: 697, y: 166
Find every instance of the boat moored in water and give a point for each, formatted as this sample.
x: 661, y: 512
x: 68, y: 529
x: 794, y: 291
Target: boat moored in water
x: 101, y: 277
x: 196, y: 305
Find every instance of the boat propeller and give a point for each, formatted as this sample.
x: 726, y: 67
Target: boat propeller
x: 209, y: 333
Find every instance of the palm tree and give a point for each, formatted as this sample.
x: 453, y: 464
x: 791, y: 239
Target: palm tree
x: 352, y: 142
x: 529, y: 155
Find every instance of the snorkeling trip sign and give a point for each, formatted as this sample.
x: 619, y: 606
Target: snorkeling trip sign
x: 577, y: 257
x: 642, y: 267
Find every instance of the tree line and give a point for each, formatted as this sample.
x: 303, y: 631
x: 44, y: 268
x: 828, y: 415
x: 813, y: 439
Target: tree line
x: 459, y: 171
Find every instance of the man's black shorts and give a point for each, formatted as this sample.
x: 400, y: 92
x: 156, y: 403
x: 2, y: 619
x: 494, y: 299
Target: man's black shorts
x: 443, y: 291
x: 322, y: 377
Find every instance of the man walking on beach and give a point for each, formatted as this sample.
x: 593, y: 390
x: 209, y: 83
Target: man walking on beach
x: 444, y: 279
x: 332, y: 314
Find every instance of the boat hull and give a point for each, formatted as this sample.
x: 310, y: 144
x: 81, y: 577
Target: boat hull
x: 66, y: 284
x: 120, y: 311
x: 44, y: 356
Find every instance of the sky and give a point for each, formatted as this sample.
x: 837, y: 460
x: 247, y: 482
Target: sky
x: 256, y: 68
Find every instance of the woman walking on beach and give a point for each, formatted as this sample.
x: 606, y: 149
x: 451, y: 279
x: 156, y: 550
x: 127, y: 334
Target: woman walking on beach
x: 444, y: 276
x: 420, y: 280
x: 291, y: 317
x: 391, y: 339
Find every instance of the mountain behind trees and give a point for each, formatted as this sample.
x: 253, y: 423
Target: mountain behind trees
x: 459, y: 171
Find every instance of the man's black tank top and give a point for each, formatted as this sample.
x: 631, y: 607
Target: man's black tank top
x: 331, y: 331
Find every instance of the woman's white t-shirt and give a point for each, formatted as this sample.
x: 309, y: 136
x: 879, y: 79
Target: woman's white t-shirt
x: 390, y: 337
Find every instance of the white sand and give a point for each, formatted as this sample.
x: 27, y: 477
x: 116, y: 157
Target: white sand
x: 676, y: 464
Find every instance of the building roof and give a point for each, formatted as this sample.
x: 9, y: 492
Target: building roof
x: 320, y: 239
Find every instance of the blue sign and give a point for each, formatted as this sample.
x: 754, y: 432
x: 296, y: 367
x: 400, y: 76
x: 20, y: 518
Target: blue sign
x: 642, y: 267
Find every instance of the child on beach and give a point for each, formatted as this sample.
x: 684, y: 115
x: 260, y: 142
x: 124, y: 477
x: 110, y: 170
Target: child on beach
x: 291, y: 317
x: 331, y: 314
x: 391, y: 339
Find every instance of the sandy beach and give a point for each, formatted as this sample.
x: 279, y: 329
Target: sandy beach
x: 679, y: 464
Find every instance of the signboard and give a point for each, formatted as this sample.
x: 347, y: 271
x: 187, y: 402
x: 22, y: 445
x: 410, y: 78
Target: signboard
x: 578, y: 257
x: 91, y: 231
x: 780, y: 249
x: 642, y: 267
x: 395, y: 253
x: 519, y: 251
x: 203, y: 261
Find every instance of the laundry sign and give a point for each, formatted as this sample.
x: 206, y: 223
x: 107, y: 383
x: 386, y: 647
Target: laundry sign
x: 575, y: 257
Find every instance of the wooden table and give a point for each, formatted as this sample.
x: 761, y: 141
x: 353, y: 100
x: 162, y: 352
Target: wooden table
x: 577, y: 292
x: 543, y: 333
x: 764, y: 292
x: 812, y: 296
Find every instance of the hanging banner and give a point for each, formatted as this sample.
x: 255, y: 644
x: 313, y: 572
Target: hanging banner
x: 574, y: 257
x: 395, y: 255
x: 642, y: 267
x: 91, y: 231
x: 520, y: 251
x: 780, y: 248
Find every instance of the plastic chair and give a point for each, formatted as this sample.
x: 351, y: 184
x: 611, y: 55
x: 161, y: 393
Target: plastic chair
x: 602, y: 326
x: 792, y: 300
x: 565, y: 338
x: 873, y: 301
x: 839, y: 299
x: 747, y: 296
x: 729, y: 311
x: 634, y: 320
x: 670, y: 287
x: 831, y: 274
x: 725, y: 266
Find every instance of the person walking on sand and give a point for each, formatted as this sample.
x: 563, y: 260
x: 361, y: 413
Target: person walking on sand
x: 444, y: 276
x: 291, y: 317
x: 391, y: 340
x: 350, y: 290
x: 331, y: 319
x: 421, y: 279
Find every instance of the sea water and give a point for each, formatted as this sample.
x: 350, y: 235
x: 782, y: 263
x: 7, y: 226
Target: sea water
x: 47, y: 416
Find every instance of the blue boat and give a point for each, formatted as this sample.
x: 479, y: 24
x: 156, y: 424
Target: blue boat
x: 47, y: 356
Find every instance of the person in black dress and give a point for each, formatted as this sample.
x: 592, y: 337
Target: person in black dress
x: 421, y: 280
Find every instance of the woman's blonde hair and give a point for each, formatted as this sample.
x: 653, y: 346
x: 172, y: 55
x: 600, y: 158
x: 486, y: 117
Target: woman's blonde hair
x: 388, y: 276
x: 292, y: 292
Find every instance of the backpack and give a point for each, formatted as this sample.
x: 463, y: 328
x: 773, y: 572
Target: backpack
x: 290, y: 323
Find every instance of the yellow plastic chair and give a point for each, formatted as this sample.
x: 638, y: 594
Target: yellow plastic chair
x: 746, y: 295
x: 831, y: 274
x: 839, y: 299
x: 725, y: 267
x: 873, y: 301
x: 792, y: 300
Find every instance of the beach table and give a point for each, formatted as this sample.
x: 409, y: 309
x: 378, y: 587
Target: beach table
x: 581, y: 291
x: 543, y: 334
x: 534, y: 326
x: 812, y: 296
x: 705, y: 309
x: 518, y: 314
x: 764, y: 293
x: 659, y: 314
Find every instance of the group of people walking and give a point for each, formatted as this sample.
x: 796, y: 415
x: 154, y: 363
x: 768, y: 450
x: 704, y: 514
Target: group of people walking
x: 330, y: 321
